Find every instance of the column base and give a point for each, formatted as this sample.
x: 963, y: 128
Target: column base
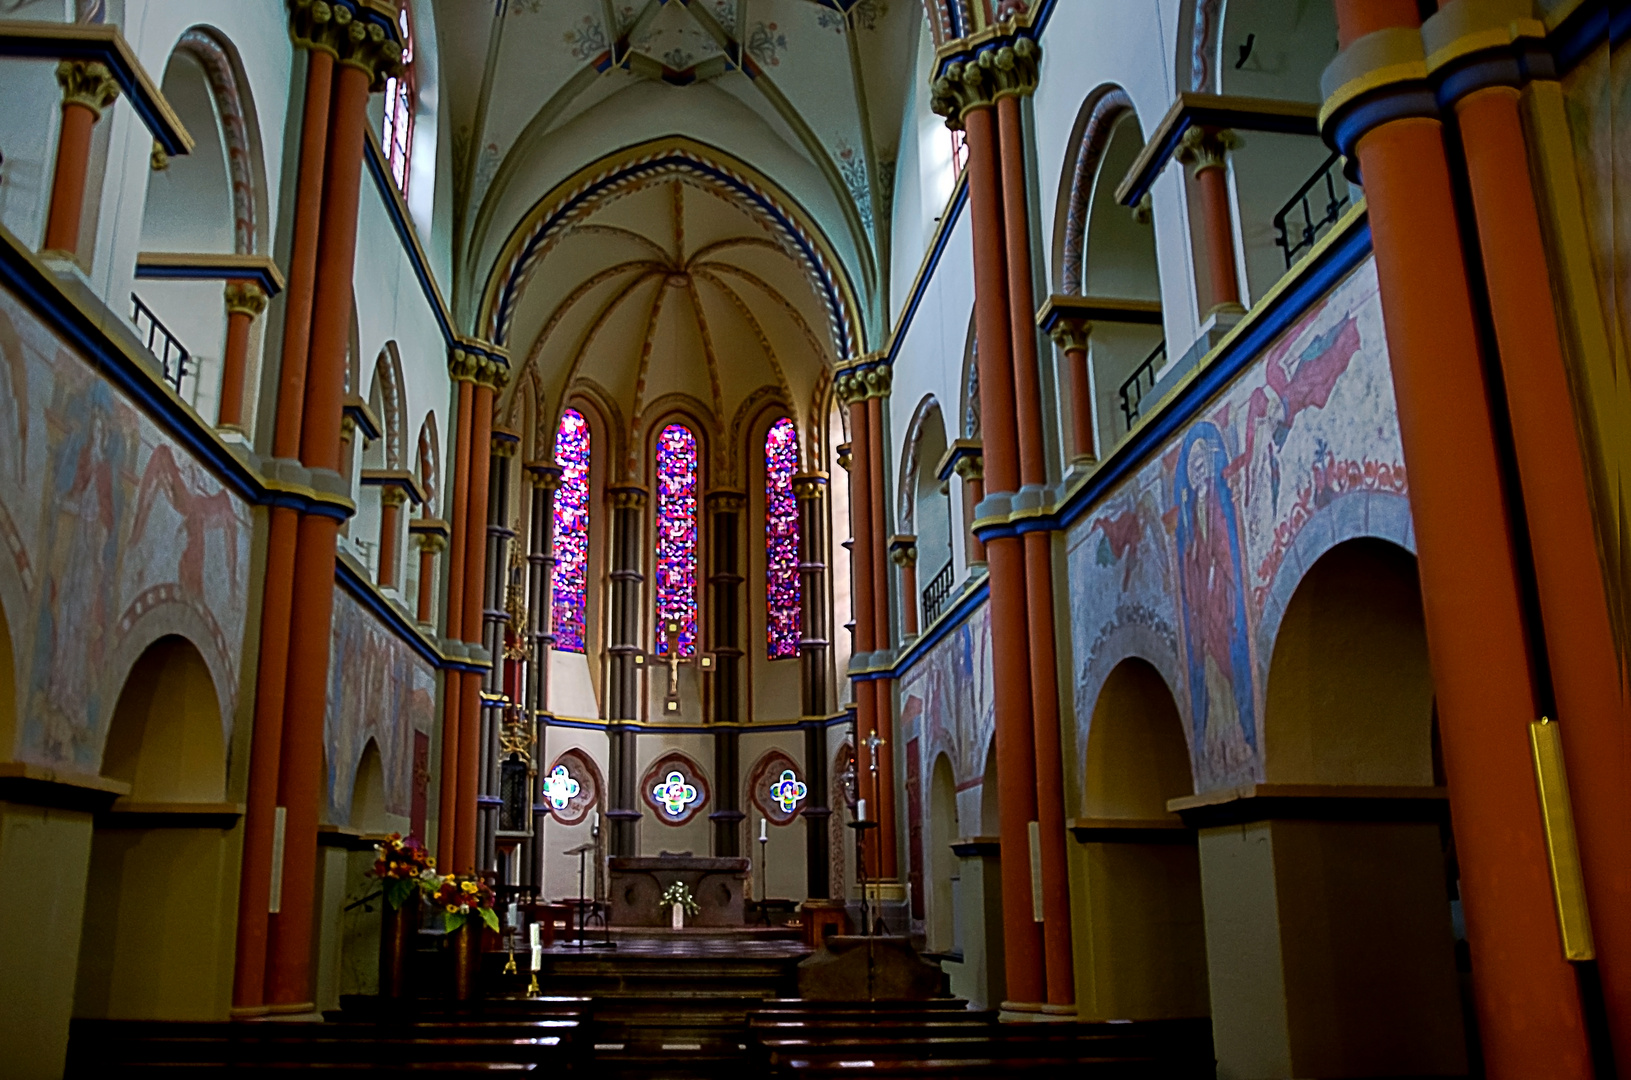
x: 1035, y: 1012
x: 296, y: 1008
x: 247, y: 1012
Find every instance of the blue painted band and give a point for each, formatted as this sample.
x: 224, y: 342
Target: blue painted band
x: 946, y: 624
x: 1373, y: 110
x: 388, y: 615
x: 1585, y: 30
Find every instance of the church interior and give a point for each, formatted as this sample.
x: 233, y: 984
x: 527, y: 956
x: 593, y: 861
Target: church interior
x: 811, y: 538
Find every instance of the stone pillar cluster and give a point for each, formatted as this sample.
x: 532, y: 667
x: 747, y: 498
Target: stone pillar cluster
x: 815, y: 614
x: 725, y: 584
x: 979, y: 91
x: 625, y: 655
x: 545, y: 480
x: 347, y: 60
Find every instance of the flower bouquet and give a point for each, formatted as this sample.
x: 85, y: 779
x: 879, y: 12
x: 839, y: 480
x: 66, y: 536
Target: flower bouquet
x: 404, y: 868
x: 462, y: 898
x: 678, y: 902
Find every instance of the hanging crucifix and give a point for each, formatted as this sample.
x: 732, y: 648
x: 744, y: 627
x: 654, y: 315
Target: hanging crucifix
x: 669, y: 647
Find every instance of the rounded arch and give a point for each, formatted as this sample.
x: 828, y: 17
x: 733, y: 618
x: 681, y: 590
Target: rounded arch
x: 191, y: 203
x: 385, y: 397
x: 577, y: 197
x: 430, y: 464
x: 165, y: 738
x: 240, y: 134
x: 368, y: 812
x: 970, y: 382
x: 944, y: 830
x: 1328, y: 717
x: 912, y: 457
x: 1137, y: 756
x: 1100, y: 115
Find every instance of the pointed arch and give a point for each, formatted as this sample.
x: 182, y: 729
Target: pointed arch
x: 429, y: 464
x: 387, y: 388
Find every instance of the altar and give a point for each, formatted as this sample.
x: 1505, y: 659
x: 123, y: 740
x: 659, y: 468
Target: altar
x: 637, y: 884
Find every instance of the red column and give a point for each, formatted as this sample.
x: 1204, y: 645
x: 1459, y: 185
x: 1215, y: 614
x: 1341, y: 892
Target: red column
x: 882, y: 689
x: 1071, y: 336
x: 1593, y: 710
x: 903, y: 549
x: 390, y: 524
x: 244, y: 301
x: 1005, y: 557
x: 300, y: 780
x: 260, y: 816
x: 87, y: 88
x: 971, y: 467
x: 453, y: 684
x: 1044, y: 680
x: 1204, y: 149
x: 481, y: 437
x: 429, y: 545
x: 853, y: 386
x: 1528, y: 1004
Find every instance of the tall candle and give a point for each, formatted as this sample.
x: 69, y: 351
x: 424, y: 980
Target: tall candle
x: 532, y: 935
x: 762, y: 834
x: 860, y: 810
x: 537, y: 956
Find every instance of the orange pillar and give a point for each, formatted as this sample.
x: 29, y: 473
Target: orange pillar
x: 453, y: 684
x: 1005, y: 558
x: 1529, y: 1010
x: 852, y: 391
x: 429, y: 545
x: 1592, y: 706
x: 882, y: 689
x: 971, y: 467
x: 244, y: 300
x: 87, y: 89
x: 1033, y: 474
x: 903, y: 550
x: 390, y: 524
x: 301, y: 775
x: 481, y: 437
x: 1071, y: 336
x: 266, y: 743
x: 1204, y: 149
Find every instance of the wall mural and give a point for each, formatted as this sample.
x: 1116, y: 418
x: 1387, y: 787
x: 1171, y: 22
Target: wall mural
x: 116, y: 536
x: 1190, y: 561
x: 378, y: 688
x: 946, y: 698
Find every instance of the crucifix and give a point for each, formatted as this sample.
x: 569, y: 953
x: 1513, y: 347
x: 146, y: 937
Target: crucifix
x: 872, y: 744
x: 670, y: 646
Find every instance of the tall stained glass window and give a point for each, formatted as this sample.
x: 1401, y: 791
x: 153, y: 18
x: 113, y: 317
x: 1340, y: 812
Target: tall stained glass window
x: 781, y: 541
x: 396, y: 136
x: 570, y: 600
x: 677, y: 537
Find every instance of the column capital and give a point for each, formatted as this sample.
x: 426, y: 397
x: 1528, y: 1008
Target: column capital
x: 1203, y: 148
x: 244, y: 298
x: 850, y: 386
x: 724, y: 501
x: 88, y: 83
x: 1071, y: 334
x: 879, y: 380
x: 358, y: 33
x: 544, y: 474
x: 390, y: 495
x: 965, y: 457
x: 810, y: 485
x: 845, y: 458
x: 627, y: 497
x: 505, y: 442
x: 429, y: 533
x: 903, y: 550
x: 479, y: 362
x: 976, y: 72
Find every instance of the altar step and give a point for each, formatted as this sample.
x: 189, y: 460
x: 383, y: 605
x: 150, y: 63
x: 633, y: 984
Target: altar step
x: 672, y: 1005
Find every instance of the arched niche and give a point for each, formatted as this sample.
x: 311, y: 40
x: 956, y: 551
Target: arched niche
x: 156, y: 941
x: 1350, y: 692
x: 1118, y: 262
x: 166, y: 739
x: 368, y: 813
x: 190, y: 204
x: 925, y: 498
x: 1136, y: 755
x: 990, y: 815
x: 8, y: 692
x: 1139, y: 876
x: 944, y: 879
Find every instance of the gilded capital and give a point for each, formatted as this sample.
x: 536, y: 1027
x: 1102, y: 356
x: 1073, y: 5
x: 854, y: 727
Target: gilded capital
x: 727, y: 502
x: 544, y: 474
x: 850, y: 386
x: 1071, y: 333
x: 504, y: 443
x: 878, y: 380
x: 970, y: 467
x: 981, y: 70
x: 628, y: 498
x: 845, y: 457
x: 391, y: 495
x: 1205, y: 148
x: 431, y: 542
x: 87, y: 83
x: 903, y: 550
x: 811, y: 485
x: 346, y: 31
x: 245, y: 298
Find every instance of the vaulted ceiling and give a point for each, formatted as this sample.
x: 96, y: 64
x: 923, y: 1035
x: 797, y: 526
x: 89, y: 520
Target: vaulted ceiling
x: 663, y: 197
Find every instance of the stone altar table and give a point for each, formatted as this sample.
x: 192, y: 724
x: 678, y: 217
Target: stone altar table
x: 638, y: 883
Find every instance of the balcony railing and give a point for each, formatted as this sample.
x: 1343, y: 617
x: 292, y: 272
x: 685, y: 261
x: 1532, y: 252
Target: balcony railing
x: 1313, y: 209
x: 172, y: 354
x: 936, y: 595
x: 1141, y: 382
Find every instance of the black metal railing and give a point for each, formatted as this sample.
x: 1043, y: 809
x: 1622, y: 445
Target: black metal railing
x: 1141, y: 382
x: 1294, y: 239
x: 936, y: 595
x: 172, y: 354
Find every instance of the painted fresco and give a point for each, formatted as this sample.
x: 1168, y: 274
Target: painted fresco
x: 116, y: 536
x: 1189, y: 562
x: 945, y: 699
x: 380, y: 689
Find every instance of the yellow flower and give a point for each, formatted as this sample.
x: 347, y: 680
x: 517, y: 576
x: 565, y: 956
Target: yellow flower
x: 452, y: 909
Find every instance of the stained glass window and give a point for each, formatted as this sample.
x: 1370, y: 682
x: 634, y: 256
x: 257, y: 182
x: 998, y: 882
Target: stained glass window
x: 781, y: 541
x: 397, y: 134
x: 677, y: 536
x: 570, y: 601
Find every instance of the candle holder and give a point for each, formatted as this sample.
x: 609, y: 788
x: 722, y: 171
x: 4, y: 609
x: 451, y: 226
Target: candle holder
x: 764, y: 880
